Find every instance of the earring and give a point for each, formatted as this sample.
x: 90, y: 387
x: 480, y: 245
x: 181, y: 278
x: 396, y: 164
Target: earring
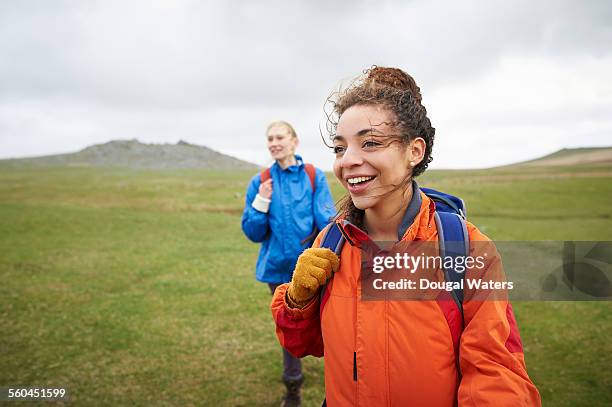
x: 412, y: 163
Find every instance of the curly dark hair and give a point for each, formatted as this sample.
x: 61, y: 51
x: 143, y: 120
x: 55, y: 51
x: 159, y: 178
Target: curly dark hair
x: 396, y: 91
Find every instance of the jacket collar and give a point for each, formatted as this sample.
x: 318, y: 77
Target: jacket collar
x: 292, y: 168
x: 416, y: 222
x: 412, y: 210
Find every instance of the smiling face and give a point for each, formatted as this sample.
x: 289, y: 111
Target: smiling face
x: 281, y: 143
x: 371, y: 162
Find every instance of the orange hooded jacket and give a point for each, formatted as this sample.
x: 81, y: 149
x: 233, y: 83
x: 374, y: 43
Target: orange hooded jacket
x: 403, y: 353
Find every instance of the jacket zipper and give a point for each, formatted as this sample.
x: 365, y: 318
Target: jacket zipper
x: 356, y: 318
x: 355, y: 366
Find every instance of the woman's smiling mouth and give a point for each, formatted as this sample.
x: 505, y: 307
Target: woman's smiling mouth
x: 356, y: 184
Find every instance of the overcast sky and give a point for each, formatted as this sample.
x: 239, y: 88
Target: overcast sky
x: 503, y: 81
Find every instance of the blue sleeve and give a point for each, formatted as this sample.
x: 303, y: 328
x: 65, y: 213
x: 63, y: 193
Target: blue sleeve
x: 324, y: 209
x: 254, y: 223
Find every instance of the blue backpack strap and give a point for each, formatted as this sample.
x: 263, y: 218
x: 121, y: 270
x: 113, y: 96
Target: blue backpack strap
x: 454, y: 242
x: 334, y: 241
x: 446, y: 202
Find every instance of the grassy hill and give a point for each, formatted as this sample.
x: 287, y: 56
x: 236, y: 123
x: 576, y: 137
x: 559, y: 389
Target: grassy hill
x: 137, y: 287
x: 573, y: 157
x: 136, y: 155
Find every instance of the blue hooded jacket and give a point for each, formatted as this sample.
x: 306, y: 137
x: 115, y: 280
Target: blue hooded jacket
x: 292, y: 216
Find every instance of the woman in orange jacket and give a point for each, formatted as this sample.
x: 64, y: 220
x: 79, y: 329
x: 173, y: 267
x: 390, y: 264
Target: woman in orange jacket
x: 388, y: 352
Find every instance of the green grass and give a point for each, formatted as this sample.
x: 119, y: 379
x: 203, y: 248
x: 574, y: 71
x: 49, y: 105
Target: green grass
x: 137, y: 287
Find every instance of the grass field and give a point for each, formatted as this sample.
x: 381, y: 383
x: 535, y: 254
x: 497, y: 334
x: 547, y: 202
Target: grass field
x: 137, y: 288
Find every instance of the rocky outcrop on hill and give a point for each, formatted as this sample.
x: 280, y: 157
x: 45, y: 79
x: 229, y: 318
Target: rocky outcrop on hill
x: 137, y: 155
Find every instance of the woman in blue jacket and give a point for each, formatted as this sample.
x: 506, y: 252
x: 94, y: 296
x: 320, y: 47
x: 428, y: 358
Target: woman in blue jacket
x: 283, y: 213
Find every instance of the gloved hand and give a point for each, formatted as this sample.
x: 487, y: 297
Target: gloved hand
x: 314, y: 267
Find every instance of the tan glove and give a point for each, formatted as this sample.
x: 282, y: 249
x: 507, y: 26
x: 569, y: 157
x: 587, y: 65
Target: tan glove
x: 313, y: 269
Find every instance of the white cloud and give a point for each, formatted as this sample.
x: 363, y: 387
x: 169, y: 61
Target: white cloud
x: 513, y: 79
x: 523, y: 107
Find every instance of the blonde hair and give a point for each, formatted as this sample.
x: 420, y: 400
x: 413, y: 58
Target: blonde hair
x: 282, y: 123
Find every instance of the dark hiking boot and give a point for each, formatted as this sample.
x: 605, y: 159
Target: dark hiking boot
x: 292, y: 397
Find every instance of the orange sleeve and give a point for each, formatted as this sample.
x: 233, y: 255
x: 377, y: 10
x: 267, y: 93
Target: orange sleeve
x: 298, y: 329
x: 490, y: 352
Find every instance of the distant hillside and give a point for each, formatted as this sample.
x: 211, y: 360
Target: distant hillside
x: 573, y: 156
x: 137, y: 155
